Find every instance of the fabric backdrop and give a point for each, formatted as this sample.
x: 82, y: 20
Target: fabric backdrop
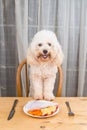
x: 21, y: 19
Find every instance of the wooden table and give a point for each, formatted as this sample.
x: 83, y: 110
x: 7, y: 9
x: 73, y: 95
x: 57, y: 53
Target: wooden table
x: 61, y: 121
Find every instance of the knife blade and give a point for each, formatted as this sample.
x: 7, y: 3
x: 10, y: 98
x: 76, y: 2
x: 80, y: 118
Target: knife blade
x: 12, y: 112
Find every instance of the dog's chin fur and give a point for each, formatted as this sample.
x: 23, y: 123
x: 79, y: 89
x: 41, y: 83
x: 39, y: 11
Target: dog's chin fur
x: 43, y: 67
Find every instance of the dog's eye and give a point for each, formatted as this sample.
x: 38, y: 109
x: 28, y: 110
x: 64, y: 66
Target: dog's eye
x: 39, y: 44
x: 49, y: 44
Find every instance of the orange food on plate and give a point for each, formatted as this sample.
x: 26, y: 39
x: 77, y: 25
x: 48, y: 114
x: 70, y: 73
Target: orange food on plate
x: 35, y: 112
x: 43, y: 111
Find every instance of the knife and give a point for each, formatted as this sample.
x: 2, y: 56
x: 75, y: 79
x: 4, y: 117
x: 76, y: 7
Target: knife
x: 12, y: 112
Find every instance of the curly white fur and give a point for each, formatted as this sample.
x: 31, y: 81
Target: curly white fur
x: 44, y: 56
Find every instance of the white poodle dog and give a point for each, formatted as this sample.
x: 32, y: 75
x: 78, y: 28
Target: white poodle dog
x: 44, y: 56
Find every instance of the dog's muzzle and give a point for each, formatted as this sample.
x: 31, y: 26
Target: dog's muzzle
x: 44, y: 56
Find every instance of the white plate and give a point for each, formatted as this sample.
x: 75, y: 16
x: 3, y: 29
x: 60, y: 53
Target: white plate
x: 39, y: 104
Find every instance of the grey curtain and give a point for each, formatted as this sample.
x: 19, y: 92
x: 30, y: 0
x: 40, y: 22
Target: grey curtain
x: 8, y: 48
x: 21, y: 19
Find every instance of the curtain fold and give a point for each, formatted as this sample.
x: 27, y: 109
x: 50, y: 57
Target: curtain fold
x: 2, y: 45
x: 8, y: 50
x: 82, y: 49
x: 66, y: 44
x: 21, y: 15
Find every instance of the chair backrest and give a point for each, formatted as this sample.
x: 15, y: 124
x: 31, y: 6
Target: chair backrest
x: 19, y: 84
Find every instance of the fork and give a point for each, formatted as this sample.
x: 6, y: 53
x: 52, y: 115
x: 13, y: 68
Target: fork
x: 70, y: 113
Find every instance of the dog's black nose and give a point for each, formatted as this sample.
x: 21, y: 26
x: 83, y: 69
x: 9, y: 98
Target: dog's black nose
x: 45, y: 51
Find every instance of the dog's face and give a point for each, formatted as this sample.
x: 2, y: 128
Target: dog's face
x: 45, y: 47
x: 44, y: 51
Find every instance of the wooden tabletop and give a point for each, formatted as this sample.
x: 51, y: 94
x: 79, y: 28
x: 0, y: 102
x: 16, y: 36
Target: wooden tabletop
x: 61, y: 121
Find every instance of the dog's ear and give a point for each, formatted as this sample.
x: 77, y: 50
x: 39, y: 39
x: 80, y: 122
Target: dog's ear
x: 59, y: 56
x: 30, y: 58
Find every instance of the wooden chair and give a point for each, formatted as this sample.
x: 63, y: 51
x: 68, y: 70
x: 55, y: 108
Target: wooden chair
x: 18, y: 79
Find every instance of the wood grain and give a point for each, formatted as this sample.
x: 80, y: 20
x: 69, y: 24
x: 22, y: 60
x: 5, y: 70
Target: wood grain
x: 61, y: 121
